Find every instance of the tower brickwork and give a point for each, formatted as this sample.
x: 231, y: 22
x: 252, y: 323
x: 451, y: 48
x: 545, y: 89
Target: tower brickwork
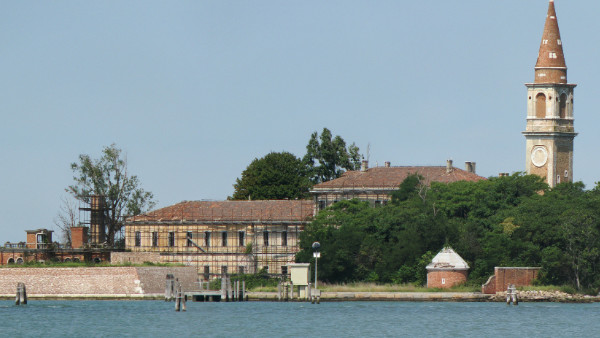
x: 549, y: 132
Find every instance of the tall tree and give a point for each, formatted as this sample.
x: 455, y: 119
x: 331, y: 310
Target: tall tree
x: 108, y: 177
x: 328, y: 157
x: 274, y: 176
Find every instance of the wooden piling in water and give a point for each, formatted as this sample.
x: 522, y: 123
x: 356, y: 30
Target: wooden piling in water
x: 21, y: 296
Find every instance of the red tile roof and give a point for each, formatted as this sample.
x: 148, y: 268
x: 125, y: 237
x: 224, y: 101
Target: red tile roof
x: 231, y: 211
x: 391, y: 177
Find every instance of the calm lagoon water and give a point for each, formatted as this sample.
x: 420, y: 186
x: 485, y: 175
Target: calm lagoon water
x: 328, y: 319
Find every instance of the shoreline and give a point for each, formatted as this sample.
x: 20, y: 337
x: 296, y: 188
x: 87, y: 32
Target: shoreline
x: 524, y: 296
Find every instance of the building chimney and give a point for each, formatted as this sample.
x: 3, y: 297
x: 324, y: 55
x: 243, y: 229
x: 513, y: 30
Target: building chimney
x: 364, y: 165
x: 388, y: 164
x: 449, y: 166
x: 470, y: 167
x: 502, y: 174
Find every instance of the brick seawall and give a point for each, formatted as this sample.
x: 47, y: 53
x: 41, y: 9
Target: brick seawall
x: 94, y: 282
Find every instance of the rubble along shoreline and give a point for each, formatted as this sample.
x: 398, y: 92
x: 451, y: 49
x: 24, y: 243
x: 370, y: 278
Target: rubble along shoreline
x: 524, y: 296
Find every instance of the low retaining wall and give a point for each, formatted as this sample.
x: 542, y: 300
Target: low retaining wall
x: 104, y: 282
x: 505, y: 276
x: 387, y: 296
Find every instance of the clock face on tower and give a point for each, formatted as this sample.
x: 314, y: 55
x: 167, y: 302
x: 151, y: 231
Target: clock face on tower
x: 539, y: 156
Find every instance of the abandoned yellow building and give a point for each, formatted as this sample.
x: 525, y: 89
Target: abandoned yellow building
x: 222, y: 236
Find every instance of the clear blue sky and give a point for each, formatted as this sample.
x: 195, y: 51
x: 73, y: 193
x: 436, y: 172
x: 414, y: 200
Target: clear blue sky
x: 193, y: 91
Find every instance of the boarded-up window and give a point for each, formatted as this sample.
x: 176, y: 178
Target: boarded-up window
x: 562, y: 112
x: 138, y: 238
x: 540, y: 106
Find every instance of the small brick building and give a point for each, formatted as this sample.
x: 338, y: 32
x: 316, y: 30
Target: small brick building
x: 446, y: 269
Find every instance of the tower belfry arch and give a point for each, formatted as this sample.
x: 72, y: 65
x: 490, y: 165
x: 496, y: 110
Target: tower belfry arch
x: 549, y: 133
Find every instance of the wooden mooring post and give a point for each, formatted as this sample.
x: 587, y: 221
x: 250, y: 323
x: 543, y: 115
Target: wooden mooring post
x: 170, y: 288
x: 21, y: 297
x: 180, y: 297
x: 512, y: 295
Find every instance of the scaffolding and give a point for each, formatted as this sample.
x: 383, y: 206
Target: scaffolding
x: 233, y: 237
x: 94, y: 215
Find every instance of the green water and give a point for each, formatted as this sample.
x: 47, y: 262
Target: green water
x: 328, y: 319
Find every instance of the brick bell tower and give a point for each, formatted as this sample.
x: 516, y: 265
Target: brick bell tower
x: 549, y: 133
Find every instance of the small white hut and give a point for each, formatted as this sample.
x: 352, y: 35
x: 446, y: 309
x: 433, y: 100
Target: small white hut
x: 446, y: 269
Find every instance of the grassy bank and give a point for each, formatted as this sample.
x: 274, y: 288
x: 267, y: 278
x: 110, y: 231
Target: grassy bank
x: 373, y: 287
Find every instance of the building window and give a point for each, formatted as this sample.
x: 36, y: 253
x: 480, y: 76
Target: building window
x: 171, y: 239
x: 241, y: 236
x: 284, y: 238
x: 189, y: 237
x: 19, y: 260
x: 155, y: 239
x: 562, y: 106
x: 224, y: 269
x: 224, y: 238
x: 443, y: 281
x: 540, y: 106
x: 557, y: 179
x: 241, y: 270
x: 206, y: 272
x: 377, y: 203
x: 322, y: 205
x: 566, y: 173
x: 207, y: 238
x: 138, y: 238
x: 266, y: 238
x: 10, y: 261
x: 284, y: 270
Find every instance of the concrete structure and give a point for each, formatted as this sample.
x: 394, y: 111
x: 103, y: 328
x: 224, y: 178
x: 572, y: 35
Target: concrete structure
x: 376, y: 184
x: 503, y: 277
x: 549, y: 133
x: 223, y: 236
x: 446, y: 269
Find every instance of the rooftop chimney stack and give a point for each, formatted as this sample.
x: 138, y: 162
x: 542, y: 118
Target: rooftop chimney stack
x: 388, y: 164
x: 470, y: 167
x: 364, y: 165
x: 449, y: 166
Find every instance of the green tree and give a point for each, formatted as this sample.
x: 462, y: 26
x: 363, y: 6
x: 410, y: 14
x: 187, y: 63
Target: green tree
x: 327, y: 157
x: 274, y: 176
x: 108, y: 176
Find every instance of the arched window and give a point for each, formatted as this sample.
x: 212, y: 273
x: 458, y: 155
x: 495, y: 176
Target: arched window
x: 562, y: 111
x: 67, y: 260
x: 540, y: 106
x: 19, y: 260
x: 76, y: 260
x: 97, y: 260
x: 10, y: 261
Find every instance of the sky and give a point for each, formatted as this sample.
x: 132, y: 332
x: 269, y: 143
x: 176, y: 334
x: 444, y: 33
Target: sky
x: 193, y: 91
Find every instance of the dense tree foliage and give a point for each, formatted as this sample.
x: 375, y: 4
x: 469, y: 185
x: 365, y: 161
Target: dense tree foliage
x: 282, y: 175
x: 274, y: 176
x: 504, y: 221
x: 108, y: 176
x: 327, y: 157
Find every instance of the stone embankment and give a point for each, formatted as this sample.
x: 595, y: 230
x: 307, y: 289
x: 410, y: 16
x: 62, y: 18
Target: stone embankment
x: 387, y: 296
x: 94, y: 282
x: 548, y: 296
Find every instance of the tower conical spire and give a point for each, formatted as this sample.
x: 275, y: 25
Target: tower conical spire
x: 551, y: 66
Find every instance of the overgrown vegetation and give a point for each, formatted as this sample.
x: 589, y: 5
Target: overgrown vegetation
x: 260, y: 281
x: 504, y: 221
